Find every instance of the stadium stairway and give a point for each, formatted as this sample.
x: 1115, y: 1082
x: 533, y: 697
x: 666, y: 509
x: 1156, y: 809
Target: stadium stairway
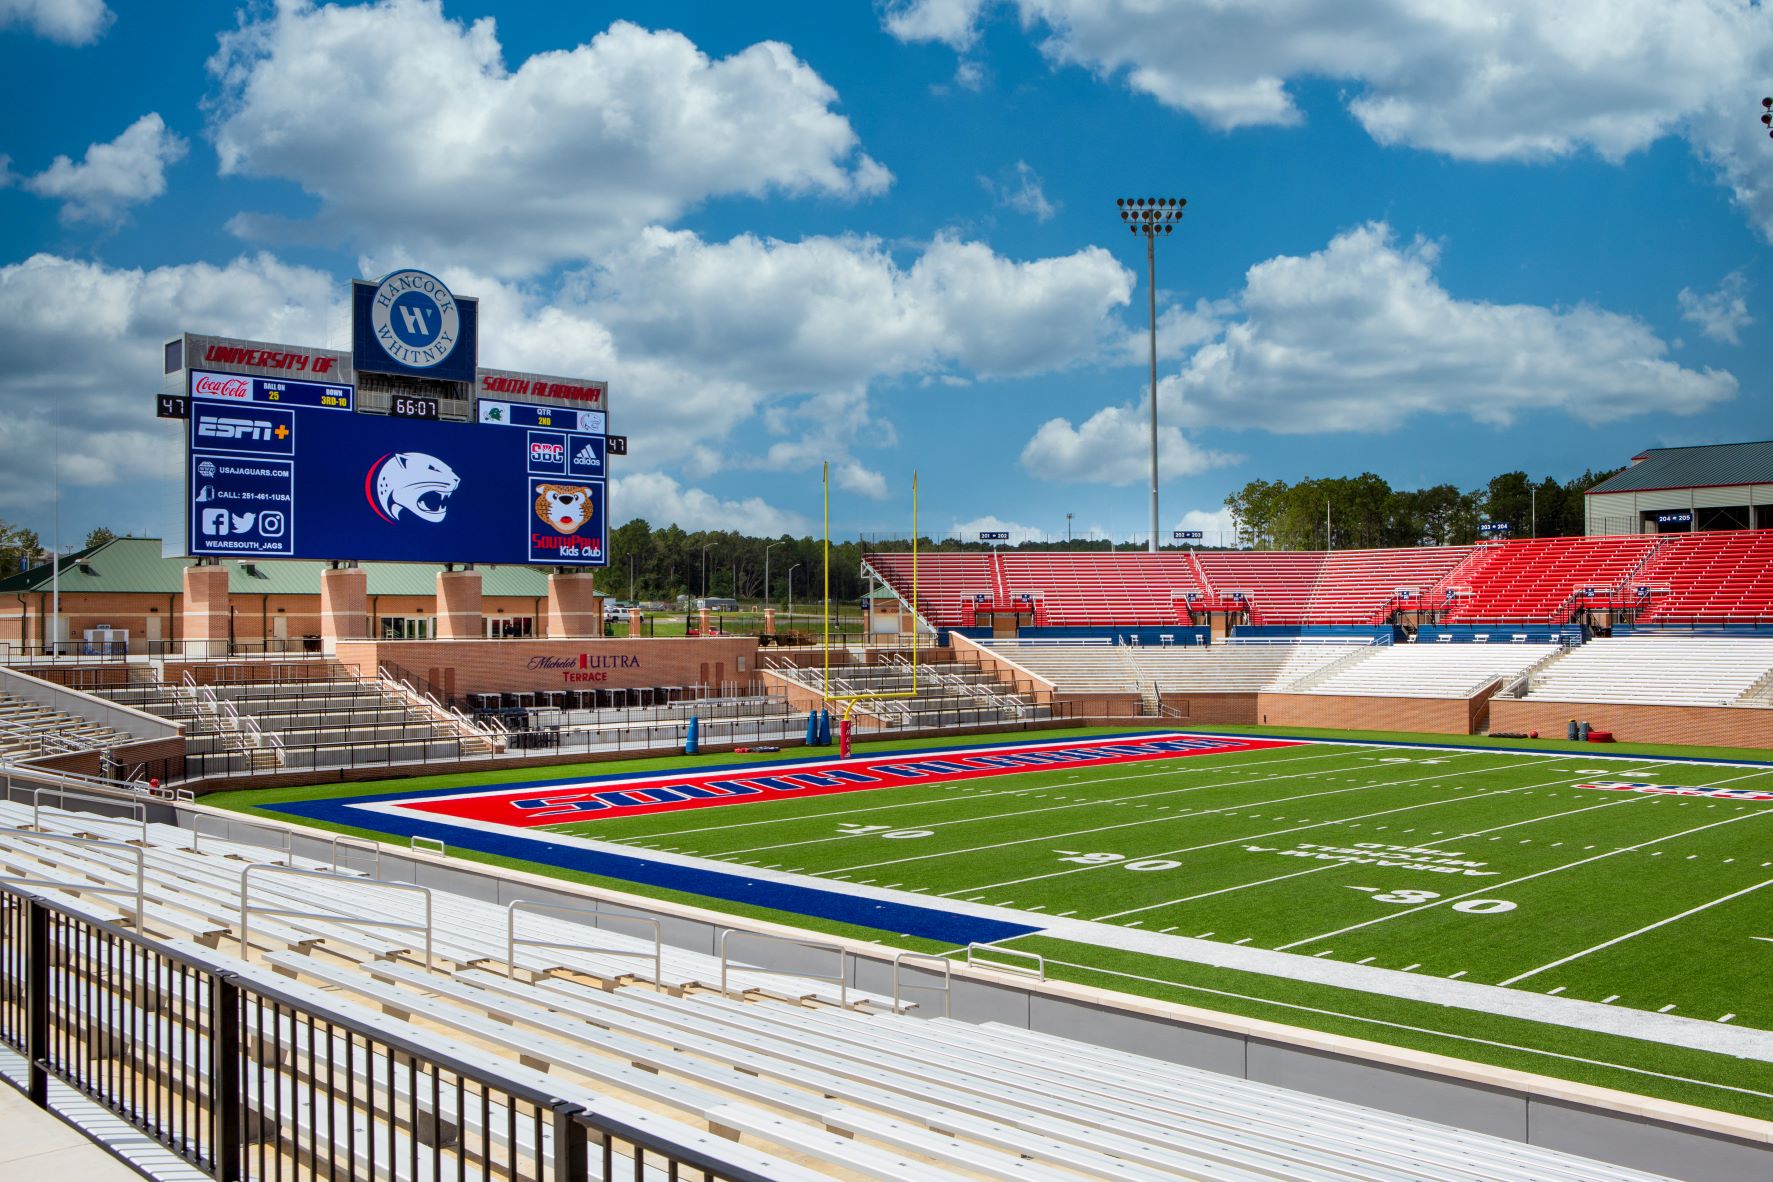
x: 788, y: 1091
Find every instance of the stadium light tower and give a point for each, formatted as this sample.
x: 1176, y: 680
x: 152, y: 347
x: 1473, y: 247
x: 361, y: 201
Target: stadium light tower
x: 1153, y: 217
x: 705, y: 550
x: 1767, y: 115
x: 769, y: 597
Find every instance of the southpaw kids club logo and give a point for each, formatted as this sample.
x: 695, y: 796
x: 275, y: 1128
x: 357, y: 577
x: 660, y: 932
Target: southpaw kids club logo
x: 566, y: 522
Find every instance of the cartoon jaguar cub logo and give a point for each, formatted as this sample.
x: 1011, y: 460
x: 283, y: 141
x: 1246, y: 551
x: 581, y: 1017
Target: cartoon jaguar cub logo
x: 566, y: 507
x: 410, y: 481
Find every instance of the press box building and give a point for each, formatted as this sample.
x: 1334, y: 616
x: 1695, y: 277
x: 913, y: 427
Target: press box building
x: 1720, y: 486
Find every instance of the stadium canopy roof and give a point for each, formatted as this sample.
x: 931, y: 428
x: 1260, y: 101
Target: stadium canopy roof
x: 1693, y: 467
x: 135, y: 566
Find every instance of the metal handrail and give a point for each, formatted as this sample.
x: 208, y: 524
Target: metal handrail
x: 374, y: 847
x: 135, y: 851
x: 138, y: 809
x: 1039, y: 972
x: 946, y: 988
x: 263, y: 868
x: 541, y: 905
x: 197, y: 820
x: 413, y: 842
x: 843, y: 960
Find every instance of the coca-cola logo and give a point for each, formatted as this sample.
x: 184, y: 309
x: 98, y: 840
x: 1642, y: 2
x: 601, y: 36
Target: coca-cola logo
x: 217, y: 387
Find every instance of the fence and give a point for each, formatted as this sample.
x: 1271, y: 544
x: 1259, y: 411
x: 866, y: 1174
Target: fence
x: 247, y: 1080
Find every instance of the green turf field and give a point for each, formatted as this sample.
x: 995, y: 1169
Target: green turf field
x: 1479, y: 864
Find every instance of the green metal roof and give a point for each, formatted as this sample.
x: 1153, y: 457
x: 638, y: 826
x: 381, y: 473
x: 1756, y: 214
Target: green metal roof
x: 1694, y: 467
x: 135, y: 566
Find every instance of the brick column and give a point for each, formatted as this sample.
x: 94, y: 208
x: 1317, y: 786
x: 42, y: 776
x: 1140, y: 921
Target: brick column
x: 703, y: 622
x: 205, y: 612
x: 574, y: 606
x: 635, y: 622
x: 769, y: 621
x: 344, y: 606
x: 459, y: 611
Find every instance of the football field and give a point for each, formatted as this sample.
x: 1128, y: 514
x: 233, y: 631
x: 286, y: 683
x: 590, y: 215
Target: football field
x: 1644, y: 885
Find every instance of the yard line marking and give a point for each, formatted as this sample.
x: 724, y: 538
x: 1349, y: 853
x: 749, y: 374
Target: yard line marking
x: 1498, y: 886
x: 1646, y: 928
x: 1371, y: 890
x: 1487, y: 1042
x: 1184, y: 816
x: 1275, y: 832
x: 985, y: 817
x: 1225, y: 890
x: 1726, y: 1017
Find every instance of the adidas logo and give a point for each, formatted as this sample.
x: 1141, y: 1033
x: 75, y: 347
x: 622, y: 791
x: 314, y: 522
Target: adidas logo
x: 587, y: 456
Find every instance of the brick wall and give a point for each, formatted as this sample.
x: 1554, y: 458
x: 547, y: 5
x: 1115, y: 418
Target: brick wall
x: 1205, y: 709
x: 498, y: 666
x: 1719, y: 726
x: 1437, y: 716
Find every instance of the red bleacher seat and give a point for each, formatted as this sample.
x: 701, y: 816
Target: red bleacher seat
x: 1708, y: 576
x: 1538, y: 581
x: 1695, y: 576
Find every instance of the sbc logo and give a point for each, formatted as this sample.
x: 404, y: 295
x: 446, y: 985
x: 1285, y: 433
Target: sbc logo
x: 547, y: 453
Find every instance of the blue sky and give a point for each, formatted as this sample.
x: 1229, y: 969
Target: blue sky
x: 1427, y: 239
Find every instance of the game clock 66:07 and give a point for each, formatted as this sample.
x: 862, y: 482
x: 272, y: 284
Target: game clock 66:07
x: 404, y: 406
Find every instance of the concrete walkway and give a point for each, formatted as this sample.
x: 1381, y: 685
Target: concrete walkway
x: 39, y: 1144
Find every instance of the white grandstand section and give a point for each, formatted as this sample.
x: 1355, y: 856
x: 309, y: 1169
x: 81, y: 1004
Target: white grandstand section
x: 1661, y: 670
x: 789, y: 1092
x: 1172, y: 669
x: 1427, y: 671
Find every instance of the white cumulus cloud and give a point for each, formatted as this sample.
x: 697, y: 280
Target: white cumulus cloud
x: 112, y: 176
x: 71, y: 22
x: 1721, y: 314
x: 415, y: 135
x: 83, y: 341
x: 1113, y: 446
x: 661, y: 500
x: 969, y: 531
x: 1472, y: 79
x: 1362, y: 336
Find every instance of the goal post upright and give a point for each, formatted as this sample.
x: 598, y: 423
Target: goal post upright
x: 850, y: 700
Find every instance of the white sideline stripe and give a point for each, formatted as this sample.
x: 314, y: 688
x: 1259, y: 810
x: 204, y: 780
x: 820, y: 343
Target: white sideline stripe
x: 1185, y: 815
x: 912, y: 804
x: 1487, y: 1042
x: 1341, y: 865
x: 1427, y: 804
x: 1629, y: 935
x: 1497, y: 886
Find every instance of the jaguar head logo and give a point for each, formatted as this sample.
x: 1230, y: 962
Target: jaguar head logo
x: 412, y: 482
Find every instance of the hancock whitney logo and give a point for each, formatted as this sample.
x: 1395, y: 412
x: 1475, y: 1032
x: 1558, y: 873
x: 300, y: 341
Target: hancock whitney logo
x: 410, y: 481
x: 415, y: 318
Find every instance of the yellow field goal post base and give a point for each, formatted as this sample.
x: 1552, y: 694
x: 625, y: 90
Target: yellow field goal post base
x: 850, y: 700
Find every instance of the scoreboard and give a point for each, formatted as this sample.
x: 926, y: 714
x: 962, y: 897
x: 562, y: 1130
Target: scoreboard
x: 288, y: 470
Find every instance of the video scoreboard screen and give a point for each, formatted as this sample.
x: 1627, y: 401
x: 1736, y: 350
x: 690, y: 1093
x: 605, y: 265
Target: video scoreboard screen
x: 285, y: 469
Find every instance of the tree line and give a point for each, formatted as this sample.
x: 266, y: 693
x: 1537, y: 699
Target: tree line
x: 1364, y: 511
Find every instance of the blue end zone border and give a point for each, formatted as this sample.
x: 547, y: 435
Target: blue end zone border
x: 899, y: 918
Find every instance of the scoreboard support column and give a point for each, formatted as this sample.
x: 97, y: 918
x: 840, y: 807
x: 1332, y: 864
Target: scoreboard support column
x: 459, y: 605
x: 574, y: 607
x: 205, y: 611
x: 344, y: 607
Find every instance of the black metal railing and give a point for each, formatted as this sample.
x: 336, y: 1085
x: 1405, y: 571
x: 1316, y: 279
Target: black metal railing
x: 247, y: 1080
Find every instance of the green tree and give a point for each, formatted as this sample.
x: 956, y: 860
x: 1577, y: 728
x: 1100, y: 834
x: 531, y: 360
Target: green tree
x: 98, y: 536
x: 18, y: 548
